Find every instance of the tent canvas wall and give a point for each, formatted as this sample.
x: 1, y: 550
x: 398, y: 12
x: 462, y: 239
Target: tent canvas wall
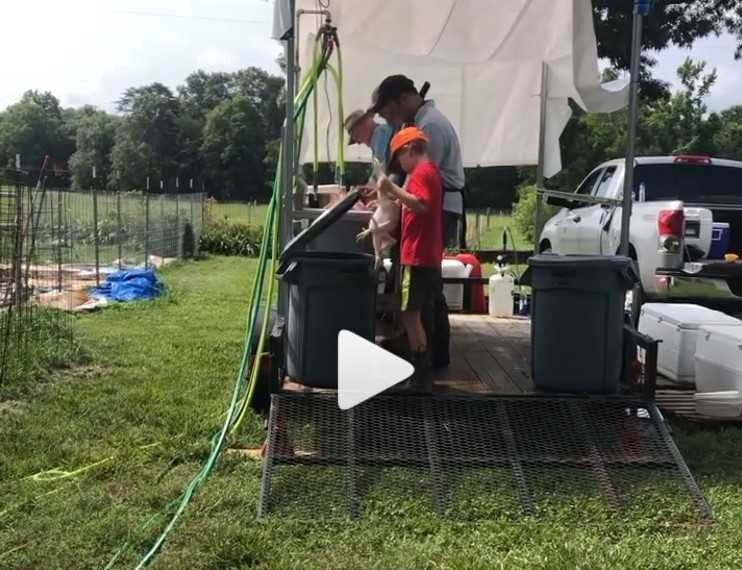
x: 483, y: 59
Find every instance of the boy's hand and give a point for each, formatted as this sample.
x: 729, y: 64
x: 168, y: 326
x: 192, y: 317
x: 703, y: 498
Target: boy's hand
x: 386, y: 185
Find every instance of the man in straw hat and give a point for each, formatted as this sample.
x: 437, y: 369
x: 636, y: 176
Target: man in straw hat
x: 362, y: 129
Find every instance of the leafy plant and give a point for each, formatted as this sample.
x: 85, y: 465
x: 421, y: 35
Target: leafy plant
x: 524, y: 211
x: 225, y: 238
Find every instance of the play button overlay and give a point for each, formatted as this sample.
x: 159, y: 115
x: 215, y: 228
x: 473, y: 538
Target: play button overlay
x: 365, y: 370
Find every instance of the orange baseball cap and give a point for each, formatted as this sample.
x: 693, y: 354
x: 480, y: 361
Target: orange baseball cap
x: 406, y: 136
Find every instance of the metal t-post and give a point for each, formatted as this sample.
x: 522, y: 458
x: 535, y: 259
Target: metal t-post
x: 541, y: 154
x: 641, y: 8
x: 286, y: 226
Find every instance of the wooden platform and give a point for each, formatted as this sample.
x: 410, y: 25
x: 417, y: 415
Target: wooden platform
x: 488, y: 355
x: 493, y: 356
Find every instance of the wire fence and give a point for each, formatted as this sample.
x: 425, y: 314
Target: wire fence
x: 113, y: 230
x: 55, y: 245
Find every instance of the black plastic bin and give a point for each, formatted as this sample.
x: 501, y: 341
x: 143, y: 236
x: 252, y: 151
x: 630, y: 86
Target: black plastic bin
x: 577, y: 318
x: 328, y: 292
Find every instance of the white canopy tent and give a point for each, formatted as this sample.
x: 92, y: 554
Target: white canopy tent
x: 485, y: 62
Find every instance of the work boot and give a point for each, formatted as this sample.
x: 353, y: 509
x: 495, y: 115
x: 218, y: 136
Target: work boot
x: 421, y: 381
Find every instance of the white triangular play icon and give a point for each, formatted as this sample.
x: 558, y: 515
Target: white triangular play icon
x: 365, y: 370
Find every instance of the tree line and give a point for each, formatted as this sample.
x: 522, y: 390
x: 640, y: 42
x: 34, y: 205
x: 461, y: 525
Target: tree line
x: 222, y: 130
x: 219, y: 129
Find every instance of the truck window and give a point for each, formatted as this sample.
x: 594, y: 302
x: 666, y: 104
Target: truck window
x: 605, y: 182
x: 708, y: 183
x: 586, y: 188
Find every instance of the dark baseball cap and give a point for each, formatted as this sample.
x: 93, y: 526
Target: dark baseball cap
x: 389, y: 90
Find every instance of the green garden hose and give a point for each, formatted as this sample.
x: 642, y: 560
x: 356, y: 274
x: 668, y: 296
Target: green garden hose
x: 257, y: 361
x: 238, y: 407
x: 315, y: 164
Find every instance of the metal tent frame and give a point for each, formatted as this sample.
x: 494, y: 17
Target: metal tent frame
x: 288, y: 166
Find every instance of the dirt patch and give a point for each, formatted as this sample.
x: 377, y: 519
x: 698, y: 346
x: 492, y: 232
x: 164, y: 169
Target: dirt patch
x: 86, y: 372
x: 11, y: 407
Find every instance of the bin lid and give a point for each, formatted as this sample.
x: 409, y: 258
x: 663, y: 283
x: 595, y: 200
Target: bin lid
x: 579, y: 261
x: 323, y: 222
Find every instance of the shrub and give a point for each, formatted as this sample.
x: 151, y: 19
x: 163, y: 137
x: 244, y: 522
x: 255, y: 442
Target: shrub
x: 524, y: 211
x: 189, y: 241
x: 227, y: 238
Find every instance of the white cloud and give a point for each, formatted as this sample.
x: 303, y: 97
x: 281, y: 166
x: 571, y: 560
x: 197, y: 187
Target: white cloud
x: 717, y: 53
x: 213, y: 59
x: 88, y: 51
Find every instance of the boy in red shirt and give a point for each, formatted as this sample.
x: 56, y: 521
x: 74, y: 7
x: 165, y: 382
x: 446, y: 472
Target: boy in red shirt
x: 421, y: 243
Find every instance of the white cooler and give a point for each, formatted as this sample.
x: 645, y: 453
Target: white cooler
x: 453, y: 293
x: 677, y: 326
x: 719, y: 359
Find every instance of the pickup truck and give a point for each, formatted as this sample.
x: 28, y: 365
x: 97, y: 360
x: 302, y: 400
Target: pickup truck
x: 676, y: 200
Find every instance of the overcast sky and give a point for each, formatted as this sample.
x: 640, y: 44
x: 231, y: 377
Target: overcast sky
x: 89, y: 51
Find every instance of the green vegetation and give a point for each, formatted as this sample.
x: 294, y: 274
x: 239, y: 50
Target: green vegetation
x: 524, y: 212
x: 229, y: 238
x: 36, y: 342
x: 161, y: 374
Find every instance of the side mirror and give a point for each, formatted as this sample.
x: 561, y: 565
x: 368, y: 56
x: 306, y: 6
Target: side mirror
x: 560, y: 202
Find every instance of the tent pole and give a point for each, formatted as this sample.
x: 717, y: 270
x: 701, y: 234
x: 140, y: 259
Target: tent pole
x: 641, y: 8
x: 286, y: 225
x: 541, y: 154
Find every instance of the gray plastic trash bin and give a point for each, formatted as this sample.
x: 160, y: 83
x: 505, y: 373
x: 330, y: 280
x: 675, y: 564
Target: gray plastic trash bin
x: 328, y: 292
x: 577, y: 318
x: 341, y: 235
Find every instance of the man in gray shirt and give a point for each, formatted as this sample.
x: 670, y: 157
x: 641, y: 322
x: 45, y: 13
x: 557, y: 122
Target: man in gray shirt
x: 398, y: 102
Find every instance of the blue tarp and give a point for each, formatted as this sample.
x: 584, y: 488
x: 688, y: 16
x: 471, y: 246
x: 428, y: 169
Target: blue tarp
x: 129, y: 285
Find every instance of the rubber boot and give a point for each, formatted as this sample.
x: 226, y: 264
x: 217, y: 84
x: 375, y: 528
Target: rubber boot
x: 421, y: 381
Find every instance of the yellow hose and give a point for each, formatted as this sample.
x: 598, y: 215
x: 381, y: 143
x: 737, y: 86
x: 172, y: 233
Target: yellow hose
x: 337, y: 76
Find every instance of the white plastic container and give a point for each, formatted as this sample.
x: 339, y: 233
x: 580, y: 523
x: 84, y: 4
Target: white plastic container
x: 726, y: 404
x: 449, y: 268
x: 501, y: 287
x: 719, y: 359
x: 453, y: 293
x: 677, y: 326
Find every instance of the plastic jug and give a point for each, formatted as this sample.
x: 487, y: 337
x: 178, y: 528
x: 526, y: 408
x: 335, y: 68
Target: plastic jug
x: 501, y: 287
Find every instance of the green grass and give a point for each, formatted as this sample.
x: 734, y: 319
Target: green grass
x: 163, y: 372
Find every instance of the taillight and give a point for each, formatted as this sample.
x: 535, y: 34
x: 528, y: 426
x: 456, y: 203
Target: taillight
x: 691, y: 159
x: 671, y: 227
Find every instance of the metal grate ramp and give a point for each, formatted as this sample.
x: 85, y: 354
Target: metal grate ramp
x: 473, y: 458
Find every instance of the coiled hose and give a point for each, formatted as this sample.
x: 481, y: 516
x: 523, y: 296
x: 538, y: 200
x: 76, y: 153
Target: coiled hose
x: 247, y: 375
